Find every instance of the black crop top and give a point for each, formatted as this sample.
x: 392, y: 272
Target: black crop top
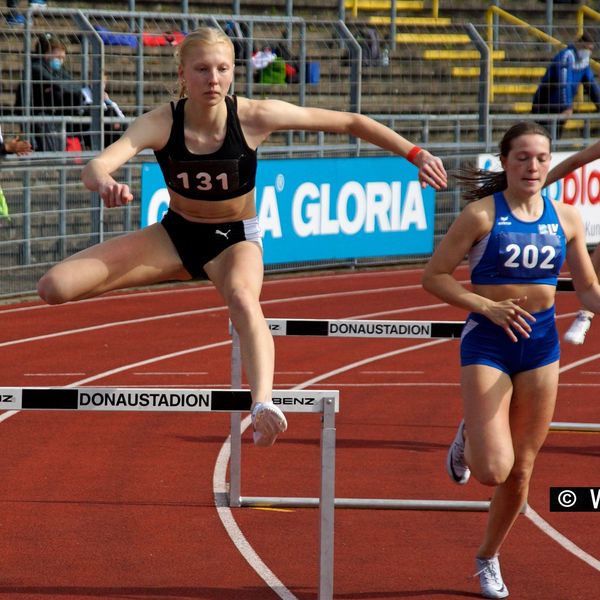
x: 227, y: 173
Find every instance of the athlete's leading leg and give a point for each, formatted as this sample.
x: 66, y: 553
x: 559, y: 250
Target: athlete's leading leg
x: 238, y: 275
x: 140, y: 258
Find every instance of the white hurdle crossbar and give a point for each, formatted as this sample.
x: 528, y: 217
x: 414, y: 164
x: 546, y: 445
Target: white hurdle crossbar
x: 399, y: 330
x: 352, y: 328
x: 205, y: 400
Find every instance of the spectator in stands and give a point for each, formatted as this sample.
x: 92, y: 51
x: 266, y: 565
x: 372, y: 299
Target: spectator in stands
x: 14, y: 16
x: 53, y: 93
x: 13, y: 146
x: 557, y: 90
x: 577, y: 331
x: 206, y: 144
x: 516, y: 241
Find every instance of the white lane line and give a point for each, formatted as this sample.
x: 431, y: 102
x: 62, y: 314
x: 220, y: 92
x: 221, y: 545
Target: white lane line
x: 7, y: 415
x: 55, y: 374
x: 160, y: 373
x: 183, y: 288
x: 232, y: 528
x: 559, y: 538
x: 79, y: 330
x: 195, y: 312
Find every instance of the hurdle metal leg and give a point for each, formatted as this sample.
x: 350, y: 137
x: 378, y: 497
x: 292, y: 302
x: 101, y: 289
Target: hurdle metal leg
x: 327, y: 501
x: 235, y: 439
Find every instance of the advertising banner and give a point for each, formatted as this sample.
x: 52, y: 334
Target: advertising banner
x: 328, y: 208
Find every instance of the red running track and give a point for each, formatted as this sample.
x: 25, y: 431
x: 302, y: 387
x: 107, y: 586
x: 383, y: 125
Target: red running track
x: 117, y: 506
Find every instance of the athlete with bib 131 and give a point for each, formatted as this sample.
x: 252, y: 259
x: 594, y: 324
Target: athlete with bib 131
x: 516, y: 242
x: 206, y: 146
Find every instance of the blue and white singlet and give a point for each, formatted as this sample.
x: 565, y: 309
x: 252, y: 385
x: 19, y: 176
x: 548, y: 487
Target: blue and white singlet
x: 519, y: 252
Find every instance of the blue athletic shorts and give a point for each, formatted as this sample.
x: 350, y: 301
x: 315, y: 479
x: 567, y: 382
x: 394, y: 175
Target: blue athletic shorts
x: 199, y: 243
x: 484, y: 343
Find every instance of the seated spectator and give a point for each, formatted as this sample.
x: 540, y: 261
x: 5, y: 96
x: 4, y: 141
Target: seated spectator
x: 53, y: 92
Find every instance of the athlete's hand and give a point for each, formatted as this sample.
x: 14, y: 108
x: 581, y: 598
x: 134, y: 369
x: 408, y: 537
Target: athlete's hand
x: 511, y: 316
x: 114, y: 194
x: 431, y: 170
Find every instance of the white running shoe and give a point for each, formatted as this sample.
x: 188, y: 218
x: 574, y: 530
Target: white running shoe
x: 268, y: 422
x: 579, y: 327
x: 490, y: 578
x: 455, y: 459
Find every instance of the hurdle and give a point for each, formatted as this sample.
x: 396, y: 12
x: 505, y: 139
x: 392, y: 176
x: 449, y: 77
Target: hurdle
x: 351, y: 328
x: 191, y: 400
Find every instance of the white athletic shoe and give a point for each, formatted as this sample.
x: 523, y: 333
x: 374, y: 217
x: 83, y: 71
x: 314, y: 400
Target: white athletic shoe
x: 455, y: 459
x: 268, y: 422
x: 579, y: 327
x: 490, y: 578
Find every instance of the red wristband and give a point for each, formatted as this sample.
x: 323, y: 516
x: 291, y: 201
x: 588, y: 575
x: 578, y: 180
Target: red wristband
x: 413, y: 152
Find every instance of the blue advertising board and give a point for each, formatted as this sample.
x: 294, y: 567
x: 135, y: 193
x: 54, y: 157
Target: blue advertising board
x: 328, y: 208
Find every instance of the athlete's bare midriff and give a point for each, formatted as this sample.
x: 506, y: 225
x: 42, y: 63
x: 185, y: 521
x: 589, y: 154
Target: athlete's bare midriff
x: 221, y: 211
x: 539, y: 297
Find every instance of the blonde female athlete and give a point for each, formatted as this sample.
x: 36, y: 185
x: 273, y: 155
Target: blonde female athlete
x: 206, y: 146
x: 516, y: 242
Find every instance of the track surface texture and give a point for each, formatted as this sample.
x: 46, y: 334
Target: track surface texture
x: 126, y: 506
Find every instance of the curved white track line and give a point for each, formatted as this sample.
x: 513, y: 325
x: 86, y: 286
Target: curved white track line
x: 233, y: 529
x: 558, y: 537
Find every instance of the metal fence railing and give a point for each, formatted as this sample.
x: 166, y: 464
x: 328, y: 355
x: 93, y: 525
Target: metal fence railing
x: 416, y: 89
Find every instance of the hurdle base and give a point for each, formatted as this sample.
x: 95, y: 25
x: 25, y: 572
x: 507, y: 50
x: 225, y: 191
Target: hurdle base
x: 372, y: 503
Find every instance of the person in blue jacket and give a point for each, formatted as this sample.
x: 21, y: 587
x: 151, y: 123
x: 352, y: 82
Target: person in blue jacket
x: 558, y: 87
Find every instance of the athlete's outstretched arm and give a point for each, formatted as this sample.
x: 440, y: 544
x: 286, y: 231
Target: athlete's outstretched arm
x: 574, y: 162
x: 262, y: 117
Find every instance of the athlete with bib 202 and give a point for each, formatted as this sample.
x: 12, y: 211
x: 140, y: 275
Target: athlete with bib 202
x: 205, y: 144
x: 516, y: 242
